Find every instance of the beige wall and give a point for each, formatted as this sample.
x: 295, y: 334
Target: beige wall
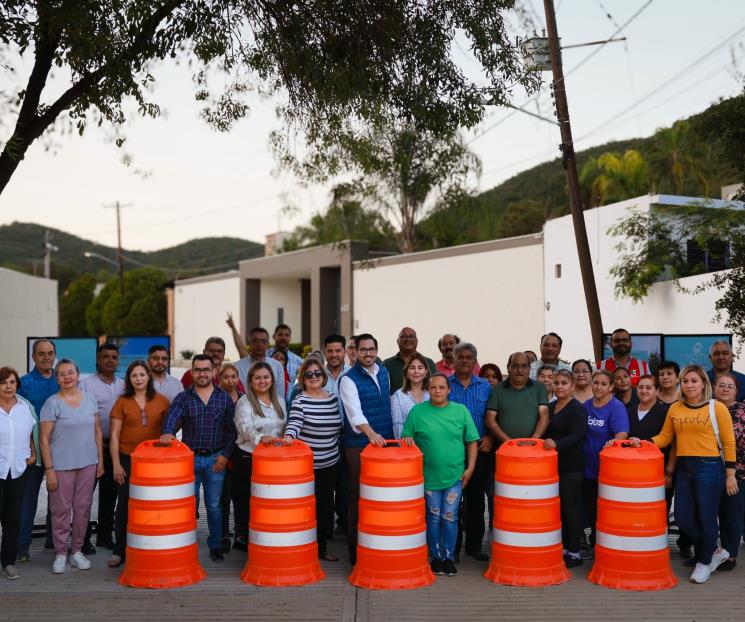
x: 28, y: 308
x: 200, y: 311
x: 284, y: 293
x: 490, y: 294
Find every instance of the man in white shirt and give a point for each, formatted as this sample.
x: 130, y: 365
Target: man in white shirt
x: 550, y: 350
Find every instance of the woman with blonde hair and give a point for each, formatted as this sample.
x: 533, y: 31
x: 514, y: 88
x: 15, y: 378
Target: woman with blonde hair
x: 260, y: 417
x: 701, y: 428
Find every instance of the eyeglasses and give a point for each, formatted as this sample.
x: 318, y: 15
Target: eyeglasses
x: 164, y: 358
x: 201, y: 370
x: 367, y: 350
x: 313, y: 374
x: 579, y: 372
x: 731, y: 387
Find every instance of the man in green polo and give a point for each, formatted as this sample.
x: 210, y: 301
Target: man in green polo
x: 407, y: 345
x: 518, y: 407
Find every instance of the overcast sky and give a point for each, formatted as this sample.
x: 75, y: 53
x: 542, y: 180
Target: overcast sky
x: 676, y: 62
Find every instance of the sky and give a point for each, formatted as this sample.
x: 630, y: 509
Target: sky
x: 677, y: 60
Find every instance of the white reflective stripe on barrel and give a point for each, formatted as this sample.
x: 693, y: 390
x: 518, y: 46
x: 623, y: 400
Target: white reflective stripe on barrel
x: 392, y: 543
x: 161, y: 493
x: 631, y: 543
x: 159, y: 543
x: 393, y: 493
x: 631, y: 495
x: 519, y: 538
x: 282, y: 491
x: 281, y: 538
x: 514, y: 491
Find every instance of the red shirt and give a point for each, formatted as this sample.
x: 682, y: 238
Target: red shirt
x: 443, y: 368
x: 636, y: 368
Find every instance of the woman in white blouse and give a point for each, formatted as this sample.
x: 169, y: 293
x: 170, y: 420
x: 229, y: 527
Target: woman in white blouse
x: 414, y: 391
x: 259, y: 418
x: 17, y: 450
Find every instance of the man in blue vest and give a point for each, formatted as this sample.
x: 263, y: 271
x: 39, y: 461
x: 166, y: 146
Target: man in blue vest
x: 364, y: 391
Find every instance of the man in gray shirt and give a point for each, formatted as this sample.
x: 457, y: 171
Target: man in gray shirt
x: 105, y: 388
x: 158, y: 359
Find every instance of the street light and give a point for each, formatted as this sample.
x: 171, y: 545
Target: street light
x: 102, y: 257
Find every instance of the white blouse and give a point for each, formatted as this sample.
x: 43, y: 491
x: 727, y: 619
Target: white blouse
x: 16, y: 427
x: 251, y: 426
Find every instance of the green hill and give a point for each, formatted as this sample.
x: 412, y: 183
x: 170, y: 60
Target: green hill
x: 21, y: 248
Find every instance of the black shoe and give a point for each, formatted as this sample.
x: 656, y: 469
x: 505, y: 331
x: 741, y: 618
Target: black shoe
x: 686, y: 552
x: 478, y: 556
x: 588, y: 553
x: 216, y: 555
x: 103, y: 544
x: 728, y: 564
x: 50, y: 545
x: 240, y: 544
x: 436, y: 566
x: 88, y: 549
x: 690, y: 563
x: 225, y: 545
x: 572, y: 562
x: 448, y: 567
x: 352, y: 556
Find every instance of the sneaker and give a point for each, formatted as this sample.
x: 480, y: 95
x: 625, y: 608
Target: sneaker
x: 88, y: 549
x: 448, y: 567
x: 10, y: 572
x: 727, y: 565
x: 717, y: 559
x: 570, y: 561
x: 701, y: 574
x: 60, y: 564
x: 78, y: 560
x: 23, y: 556
x: 216, y: 555
x: 436, y: 566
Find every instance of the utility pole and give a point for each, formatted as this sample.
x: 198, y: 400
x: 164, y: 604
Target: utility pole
x: 119, y: 256
x: 570, y: 166
x: 49, y: 248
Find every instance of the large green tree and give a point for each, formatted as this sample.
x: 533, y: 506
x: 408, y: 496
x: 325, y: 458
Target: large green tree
x: 678, y: 157
x: 329, y: 62
x: 72, y: 305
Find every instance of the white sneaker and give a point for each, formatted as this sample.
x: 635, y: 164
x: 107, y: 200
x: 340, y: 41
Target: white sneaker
x: 718, y: 558
x: 78, y: 560
x: 60, y: 564
x: 700, y: 574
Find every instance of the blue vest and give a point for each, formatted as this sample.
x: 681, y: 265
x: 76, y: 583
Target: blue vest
x: 376, y: 405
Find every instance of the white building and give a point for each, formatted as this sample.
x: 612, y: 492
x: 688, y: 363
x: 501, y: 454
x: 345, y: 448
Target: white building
x: 28, y: 308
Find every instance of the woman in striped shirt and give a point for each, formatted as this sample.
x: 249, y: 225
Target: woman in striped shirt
x: 315, y: 419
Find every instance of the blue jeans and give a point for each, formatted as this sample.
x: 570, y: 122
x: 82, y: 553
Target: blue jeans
x: 442, y: 520
x: 34, y: 477
x: 699, y: 486
x: 212, y: 482
x: 731, y: 519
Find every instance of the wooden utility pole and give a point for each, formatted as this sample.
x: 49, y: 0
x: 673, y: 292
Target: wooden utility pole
x: 570, y: 166
x: 119, y: 256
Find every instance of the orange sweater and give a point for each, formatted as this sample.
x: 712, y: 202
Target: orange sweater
x: 693, y: 433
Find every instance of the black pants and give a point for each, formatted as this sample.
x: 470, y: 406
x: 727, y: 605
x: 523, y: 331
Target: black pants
x: 325, y: 481
x: 107, y: 494
x: 341, y: 495
x: 590, y: 494
x: 11, y: 499
x: 571, y: 497
x: 122, y: 507
x: 225, y: 501
x: 242, y: 492
x: 475, y: 495
x: 352, y: 455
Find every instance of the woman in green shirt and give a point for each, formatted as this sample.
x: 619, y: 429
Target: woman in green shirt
x: 440, y: 428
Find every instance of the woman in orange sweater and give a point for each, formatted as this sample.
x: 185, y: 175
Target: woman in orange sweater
x: 700, y: 479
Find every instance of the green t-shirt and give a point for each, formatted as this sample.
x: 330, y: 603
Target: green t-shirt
x: 440, y: 433
x: 517, y: 409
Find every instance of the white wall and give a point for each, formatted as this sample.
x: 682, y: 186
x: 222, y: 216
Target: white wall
x: 284, y: 293
x: 664, y: 310
x: 493, y: 299
x: 200, y: 312
x: 28, y: 308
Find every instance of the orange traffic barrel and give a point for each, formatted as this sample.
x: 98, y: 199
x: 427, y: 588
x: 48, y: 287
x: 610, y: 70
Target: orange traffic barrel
x: 282, y: 545
x: 391, y: 531
x: 526, y: 536
x: 162, y: 526
x: 631, y: 550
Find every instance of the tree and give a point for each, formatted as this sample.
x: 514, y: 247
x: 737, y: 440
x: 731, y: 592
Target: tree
x: 72, y: 306
x: 403, y: 171
x: 614, y: 177
x: 330, y: 61
x: 678, y: 156
x: 654, y: 246
x: 523, y: 217
x: 140, y: 309
x: 344, y: 219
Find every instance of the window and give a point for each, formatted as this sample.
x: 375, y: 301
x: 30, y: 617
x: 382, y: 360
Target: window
x: 557, y: 271
x: 711, y: 259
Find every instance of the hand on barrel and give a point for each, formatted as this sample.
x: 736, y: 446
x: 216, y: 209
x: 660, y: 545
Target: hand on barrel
x: 167, y: 439
x: 376, y: 439
x: 635, y: 442
x: 549, y: 443
x: 408, y: 441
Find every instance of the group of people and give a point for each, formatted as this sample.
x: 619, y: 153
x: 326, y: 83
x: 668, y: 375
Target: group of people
x: 346, y: 397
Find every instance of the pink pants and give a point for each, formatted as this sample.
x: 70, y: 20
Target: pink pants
x: 74, y: 494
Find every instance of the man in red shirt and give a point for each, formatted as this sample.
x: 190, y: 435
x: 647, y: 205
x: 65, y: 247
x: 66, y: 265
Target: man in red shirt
x: 446, y: 365
x: 620, y: 344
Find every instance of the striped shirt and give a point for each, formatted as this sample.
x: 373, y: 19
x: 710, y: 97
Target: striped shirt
x: 317, y: 422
